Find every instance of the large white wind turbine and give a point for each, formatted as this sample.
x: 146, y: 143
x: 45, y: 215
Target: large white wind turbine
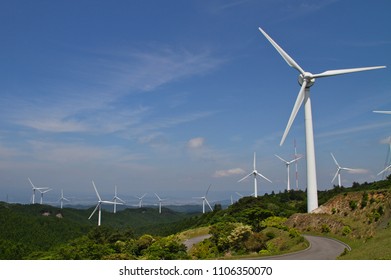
x: 160, y: 203
x: 205, y: 200
x: 255, y: 173
x: 99, y: 205
x: 116, y: 199
x: 339, y: 169
x: 306, y: 80
x: 287, y: 164
x: 140, y: 200
x: 62, y: 198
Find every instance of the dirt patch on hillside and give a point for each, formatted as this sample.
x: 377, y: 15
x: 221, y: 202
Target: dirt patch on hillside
x: 355, y: 214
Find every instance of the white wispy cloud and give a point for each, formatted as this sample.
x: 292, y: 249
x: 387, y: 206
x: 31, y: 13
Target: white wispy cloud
x: 358, y: 171
x: 360, y: 128
x: 195, y: 143
x: 228, y: 172
x: 96, y: 104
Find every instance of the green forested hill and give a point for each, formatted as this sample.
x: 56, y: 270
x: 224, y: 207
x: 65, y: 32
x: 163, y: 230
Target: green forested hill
x: 29, y: 228
x: 251, y: 225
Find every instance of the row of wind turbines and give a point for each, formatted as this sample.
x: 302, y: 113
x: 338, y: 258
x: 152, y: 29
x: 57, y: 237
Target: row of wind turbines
x: 306, y: 80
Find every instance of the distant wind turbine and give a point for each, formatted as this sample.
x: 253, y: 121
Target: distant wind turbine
x: 42, y: 192
x: 140, y: 200
x: 287, y: 164
x: 255, y: 173
x: 115, y: 199
x: 306, y: 80
x: 62, y: 198
x: 160, y: 203
x: 34, y: 188
x: 339, y: 169
x: 205, y: 200
x: 99, y: 205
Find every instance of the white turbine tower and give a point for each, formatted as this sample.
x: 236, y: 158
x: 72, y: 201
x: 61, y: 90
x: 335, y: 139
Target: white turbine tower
x: 339, y: 169
x: 34, y: 188
x: 255, y: 173
x: 306, y: 80
x: 42, y: 191
x: 160, y: 203
x: 99, y: 205
x: 205, y: 200
x: 287, y: 164
x: 140, y: 200
x: 116, y: 199
x: 62, y: 198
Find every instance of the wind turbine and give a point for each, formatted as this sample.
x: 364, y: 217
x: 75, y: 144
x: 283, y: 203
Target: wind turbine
x: 255, y: 173
x: 338, y: 173
x: 306, y: 80
x: 34, y: 188
x: 42, y: 192
x: 205, y: 200
x: 115, y: 199
x: 140, y: 200
x: 99, y: 205
x: 62, y: 198
x: 288, y: 163
x: 160, y: 203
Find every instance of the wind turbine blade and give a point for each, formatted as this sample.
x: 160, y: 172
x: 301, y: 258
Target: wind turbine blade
x: 121, y: 200
x: 93, y: 212
x: 97, y: 194
x: 384, y: 170
x: 284, y: 55
x: 259, y: 174
x: 31, y: 183
x: 294, y: 160
x: 336, y: 163
x: 254, y: 162
x: 143, y: 196
x: 335, y: 176
x: 239, y: 194
x: 296, y: 107
x: 245, y: 177
x: 345, y: 71
x: 158, y: 197
x: 109, y: 202
x: 208, y: 190
x: 207, y: 202
x: 383, y: 112
x: 282, y: 159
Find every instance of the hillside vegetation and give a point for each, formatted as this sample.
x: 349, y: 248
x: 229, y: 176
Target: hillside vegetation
x: 267, y: 225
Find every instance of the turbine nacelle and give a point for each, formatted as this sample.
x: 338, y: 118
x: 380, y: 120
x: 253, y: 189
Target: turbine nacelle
x: 308, y: 77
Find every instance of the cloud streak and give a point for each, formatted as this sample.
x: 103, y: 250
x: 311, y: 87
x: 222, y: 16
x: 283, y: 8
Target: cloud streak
x: 229, y: 172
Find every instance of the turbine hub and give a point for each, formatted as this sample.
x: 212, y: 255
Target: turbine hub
x: 308, y: 77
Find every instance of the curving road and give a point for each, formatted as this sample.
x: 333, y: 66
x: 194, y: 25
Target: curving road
x: 321, y: 248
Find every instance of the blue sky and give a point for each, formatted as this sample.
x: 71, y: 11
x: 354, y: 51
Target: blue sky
x: 171, y: 96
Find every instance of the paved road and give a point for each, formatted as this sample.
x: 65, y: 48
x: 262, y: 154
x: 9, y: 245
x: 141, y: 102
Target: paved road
x: 190, y: 242
x: 321, y: 248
